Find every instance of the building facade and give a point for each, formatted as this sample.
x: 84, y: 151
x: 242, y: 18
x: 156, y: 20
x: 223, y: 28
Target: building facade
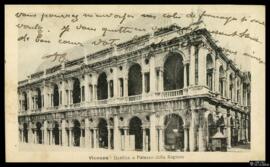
x: 163, y: 91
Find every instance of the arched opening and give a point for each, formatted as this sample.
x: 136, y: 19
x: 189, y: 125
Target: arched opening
x: 25, y: 132
x: 212, y: 129
x: 221, y: 124
x: 38, y: 98
x: 209, y: 68
x: 173, y: 72
x: 232, y: 132
x: 39, y: 132
x: 135, y: 130
x: 102, y: 87
x: 76, y: 133
x: 76, y: 91
x: 174, y: 132
x: 56, y: 133
x: 237, y: 128
x: 55, y: 95
x: 135, y: 80
x: 103, y: 133
x: 25, y: 106
x: 221, y: 80
x: 231, y: 86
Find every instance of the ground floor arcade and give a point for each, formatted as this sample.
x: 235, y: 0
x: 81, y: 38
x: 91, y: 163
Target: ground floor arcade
x: 177, y: 129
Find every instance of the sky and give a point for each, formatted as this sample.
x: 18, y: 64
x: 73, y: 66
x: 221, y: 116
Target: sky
x: 30, y: 53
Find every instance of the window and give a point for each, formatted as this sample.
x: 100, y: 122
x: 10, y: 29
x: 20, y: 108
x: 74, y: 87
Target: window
x: 111, y: 88
x: 121, y: 84
x: 209, y: 72
x: 147, y: 82
x: 196, y: 66
x: 221, y: 81
x: 83, y: 94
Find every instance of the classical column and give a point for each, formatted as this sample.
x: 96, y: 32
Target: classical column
x: 64, y: 96
x: 192, y: 66
x: 87, y: 134
x: 95, y: 138
x: 186, y: 139
x: 217, y: 75
x: 153, y: 75
x: 29, y: 135
x: 64, y: 134
x: 126, y: 87
x: 109, y: 90
x: 71, y: 96
x: 144, y: 137
x: 153, y: 132
x: 81, y: 139
x: 192, y: 133
x: 109, y: 137
x: 90, y: 138
x: 116, y: 134
x: 126, y: 138
x: 185, y: 74
x: 35, y: 136
x: 161, y: 139
x: 60, y: 136
x: 95, y: 92
x: 51, y: 136
x: 70, y: 137
x: 201, y: 142
x: 116, y: 84
x: 247, y: 125
x: 202, y: 65
x: 161, y: 84
x: 229, y: 145
x: 143, y: 83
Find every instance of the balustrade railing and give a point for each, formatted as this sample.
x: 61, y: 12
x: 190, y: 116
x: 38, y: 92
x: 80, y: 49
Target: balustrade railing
x: 117, y: 100
x: 135, y: 98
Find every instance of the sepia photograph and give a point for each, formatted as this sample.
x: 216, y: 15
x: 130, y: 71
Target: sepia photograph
x: 142, y: 83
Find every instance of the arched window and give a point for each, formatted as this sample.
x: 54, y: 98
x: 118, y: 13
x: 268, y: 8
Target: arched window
x: 209, y: 75
x: 55, y: 96
x: 38, y: 98
x: 102, y: 87
x: 221, y: 80
x: 76, y: 91
x: 173, y: 72
x: 25, y: 102
x: 174, y: 132
x: 135, y: 80
x: 231, y: 86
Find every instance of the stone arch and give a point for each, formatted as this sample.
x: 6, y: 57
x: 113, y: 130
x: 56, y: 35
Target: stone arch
x: 76, y: 94
x: 222, y: 77
x: 38, y: 97
x: 103, y: 133
x: 55, y: 95
x: 174, y: 132
x: 173, y: 77
x: 25, y: 102
x: 175, y: 51
x: 56, y: 132
x: 209, y: 71
x: 39, y: 132
x: 135, y: 80
x: 135, y: 129
x: 25, y: 132
x: 76, y: 132
x: 102, y: 86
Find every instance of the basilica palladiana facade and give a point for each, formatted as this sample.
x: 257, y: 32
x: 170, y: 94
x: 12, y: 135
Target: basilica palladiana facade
x: 159, y: 92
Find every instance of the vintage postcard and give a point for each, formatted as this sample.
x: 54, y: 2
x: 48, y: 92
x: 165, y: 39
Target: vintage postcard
x: 135, y: 83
